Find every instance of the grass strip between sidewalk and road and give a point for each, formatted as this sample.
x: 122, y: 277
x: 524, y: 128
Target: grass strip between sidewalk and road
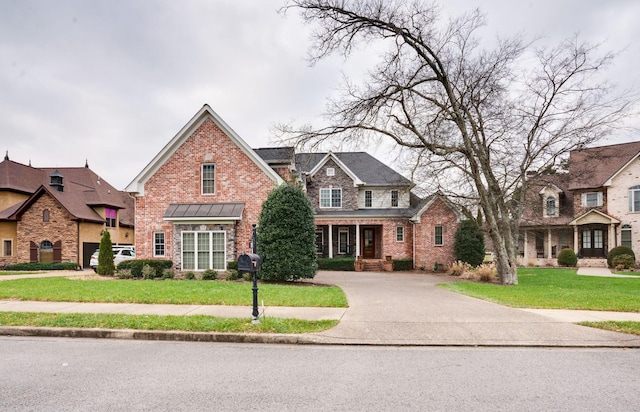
x: 195, y: 323
x: 186, y: 292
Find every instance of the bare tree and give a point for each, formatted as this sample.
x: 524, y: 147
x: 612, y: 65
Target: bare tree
x: 480, y: 117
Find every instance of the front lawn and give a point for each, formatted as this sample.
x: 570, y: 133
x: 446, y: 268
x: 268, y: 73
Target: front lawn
x: 61, y: 289
x: 558, y: 289
x: 196, y: 323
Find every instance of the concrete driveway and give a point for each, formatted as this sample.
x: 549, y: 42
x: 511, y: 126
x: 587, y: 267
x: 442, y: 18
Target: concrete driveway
x: 409, y: 309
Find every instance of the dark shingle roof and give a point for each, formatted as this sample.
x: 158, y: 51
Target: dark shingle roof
x: 83, y: 190
x: 591, y: 168
x: 366, y: 167
x: 276, y: 155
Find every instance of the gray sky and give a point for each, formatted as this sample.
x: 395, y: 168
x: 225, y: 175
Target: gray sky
x: 113, y: 81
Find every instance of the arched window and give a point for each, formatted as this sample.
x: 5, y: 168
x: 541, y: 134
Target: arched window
x: 634, y: 199
x: 45, y: 215
x: 625, y: 236
x: 551, y: 206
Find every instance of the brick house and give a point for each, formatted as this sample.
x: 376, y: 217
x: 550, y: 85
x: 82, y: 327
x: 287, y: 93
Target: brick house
x: 197, y: 199
x: 591, y: 209
x: 58, y: 214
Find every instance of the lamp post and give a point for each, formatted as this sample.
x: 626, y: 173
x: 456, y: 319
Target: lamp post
x: 255, y: 315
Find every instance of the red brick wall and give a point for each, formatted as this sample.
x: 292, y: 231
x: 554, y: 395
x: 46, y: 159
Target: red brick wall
x: 237, y: 179
x: 31, y: 228
x: 426, y: 253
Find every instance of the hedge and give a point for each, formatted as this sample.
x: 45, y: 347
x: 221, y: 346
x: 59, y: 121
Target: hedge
x: 343, y: 264
x: 402, y: 264
x: 136, y: 265
x: 42, y: 266
x: 617, y: 251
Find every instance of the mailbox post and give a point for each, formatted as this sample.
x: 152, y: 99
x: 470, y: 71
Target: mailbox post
x: 250, y: 262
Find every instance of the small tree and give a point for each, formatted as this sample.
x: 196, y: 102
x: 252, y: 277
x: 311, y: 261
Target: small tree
x: 286, y: 235
x: 105, y: 256
x: 469, y: 243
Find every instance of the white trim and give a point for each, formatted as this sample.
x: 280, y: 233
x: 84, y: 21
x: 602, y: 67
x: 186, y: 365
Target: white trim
x: 195, y: 251
x: 609, y: 181
x: 164, y: 234
x: 330, y: 189
x: 403, y: 235
x: 441, y: 235
x: 202, y: 178
x: 342, y: 230
x: 611, y: 220
x: 137, y: 184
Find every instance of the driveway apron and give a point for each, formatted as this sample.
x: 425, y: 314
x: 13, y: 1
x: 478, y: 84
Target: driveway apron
x: 394, y: 308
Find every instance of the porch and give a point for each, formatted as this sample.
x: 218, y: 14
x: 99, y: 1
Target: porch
x: 343, y: 240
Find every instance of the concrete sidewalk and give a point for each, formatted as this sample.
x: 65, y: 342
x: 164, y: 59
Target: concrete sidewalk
x: 385, y: 309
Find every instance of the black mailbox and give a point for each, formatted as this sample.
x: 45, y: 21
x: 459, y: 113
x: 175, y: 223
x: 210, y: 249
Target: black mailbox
x: 249, y: 262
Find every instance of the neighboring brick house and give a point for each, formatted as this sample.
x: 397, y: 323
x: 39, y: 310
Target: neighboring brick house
x: 591, y: 209
x: 197, y: 199
x: 58, y: 214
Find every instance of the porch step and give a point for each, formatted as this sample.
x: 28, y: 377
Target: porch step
x: 592, y: 263
x: 373, y: 265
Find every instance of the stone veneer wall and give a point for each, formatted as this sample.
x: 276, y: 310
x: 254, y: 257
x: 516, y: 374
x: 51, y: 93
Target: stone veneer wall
x: 31, y: 228
x: 339, y: 181
x: 178, y: 180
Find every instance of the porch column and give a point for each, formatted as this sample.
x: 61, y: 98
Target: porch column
x: 612, y: 240
x: 576, y: 239
x: 549, y: 248
x: 330, y: 240
x: 357, y: 239
x: 526, y: 246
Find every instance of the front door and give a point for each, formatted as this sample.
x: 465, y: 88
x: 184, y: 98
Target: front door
x: 369, y: 243
x: 593, y: 243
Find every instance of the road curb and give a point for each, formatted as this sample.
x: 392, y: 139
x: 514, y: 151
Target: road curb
x: 268, y: 338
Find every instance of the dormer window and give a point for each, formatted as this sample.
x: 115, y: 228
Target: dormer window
x: 551, y: 207
x: 592, y: 199
x: 110, y: 215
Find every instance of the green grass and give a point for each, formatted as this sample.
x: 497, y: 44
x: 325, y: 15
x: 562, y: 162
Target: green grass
x: 61, y: 289
x: 15, y: 272
x: 198, y: 323
x: 616, y: 326
x: 558, y: 289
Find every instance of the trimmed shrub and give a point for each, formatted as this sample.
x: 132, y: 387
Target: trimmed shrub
x: 124, y: 274
x: 168, y: 274
x: 617, y: 251
x: 286, y: 235
x: 401, y: 264
x: 235, y: 275
x: 469, y: 243
x: 622, y: 262
x: 35, y: 266
x: 233, y: 265
x: 190, y: 276
x: 148, y: 272
x: 136, y: 266
x: 567, y: 257
x: 209, y: 274
x: 343, y: 264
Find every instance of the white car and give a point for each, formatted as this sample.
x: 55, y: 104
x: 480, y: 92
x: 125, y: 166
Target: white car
x: 120, y: 254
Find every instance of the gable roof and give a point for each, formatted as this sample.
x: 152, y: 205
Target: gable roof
x: 83, y: 190
x: 137, y: 184
x: 276, y: 155
x: 594, y: 167
x: 426, y: 203
x: 366, y: 168
x: 533, y: 213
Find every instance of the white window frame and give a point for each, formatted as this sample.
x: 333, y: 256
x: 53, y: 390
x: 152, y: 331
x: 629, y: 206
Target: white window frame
x: 435, y: 235
x: 634, y: 192
x: 331, y: 171
x: 202, y: 179
x: 400, y: 234
x: 156, y: 244
x: 343, y: 231
x: 328, y: 197
x: 368, y: 196
x: 551, y: 208
x: 210, y: 250
x: 585, y: 199
x: 395, y: 198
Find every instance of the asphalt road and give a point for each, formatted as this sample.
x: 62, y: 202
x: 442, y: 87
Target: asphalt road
x: 54, y: 374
